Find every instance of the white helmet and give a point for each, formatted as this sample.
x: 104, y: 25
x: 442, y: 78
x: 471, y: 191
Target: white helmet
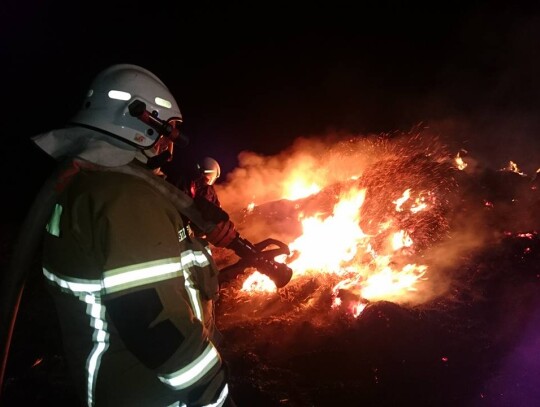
x: 107, y: 106
x: 209, y: 169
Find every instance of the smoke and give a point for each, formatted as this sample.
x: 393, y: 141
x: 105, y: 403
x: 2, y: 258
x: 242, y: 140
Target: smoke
x: 470, y: 211
x: 261, y: 179
x: 322, y: 161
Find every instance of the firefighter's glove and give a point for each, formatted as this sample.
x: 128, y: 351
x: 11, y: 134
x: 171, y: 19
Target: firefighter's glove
x: 223, y: 234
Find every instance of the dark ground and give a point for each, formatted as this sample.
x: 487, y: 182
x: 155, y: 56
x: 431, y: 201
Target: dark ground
x: 461, y: 351
x: 475, y: 346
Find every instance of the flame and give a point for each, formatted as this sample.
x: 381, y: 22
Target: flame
x: 301, y: 182
x: 335, y: 244
x: 526, y: 235
x: 360, y: 217
x: 400, y: 201
x: 327, y: 243
x: 513, y: 167
x: 460, y: 164
x: 400, y: 240
x: 418, y: 205
x: 258, y: 282
x: 299, y: 188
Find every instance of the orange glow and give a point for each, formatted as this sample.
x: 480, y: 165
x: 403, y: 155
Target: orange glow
x: 400, y: 201
x: 335, y: 244
x: 299, y: 189
x: 400, y: 240
x: 301, y: 181
x: 327, y: 244
x: 513, y: 167
x: 460, y: 164
x: 364, y: 218
x: 258, y: 282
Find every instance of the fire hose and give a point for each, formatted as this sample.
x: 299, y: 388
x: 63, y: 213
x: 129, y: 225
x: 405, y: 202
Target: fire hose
x: 257, y: 256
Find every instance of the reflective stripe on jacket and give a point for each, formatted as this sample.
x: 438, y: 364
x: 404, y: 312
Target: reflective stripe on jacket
x: 112, y: 240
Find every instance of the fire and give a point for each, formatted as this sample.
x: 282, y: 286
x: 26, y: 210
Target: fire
x: 300, y: 189
x: 301, y: 182
x: 336, y: 245
x: 513, y: 167
x: 259, y: 282
x: 360, y: 217
x: 327, y: 244
x: 400, y: 201
x: 460, y: 164
x: 418, y: 205
x: 400, y: 240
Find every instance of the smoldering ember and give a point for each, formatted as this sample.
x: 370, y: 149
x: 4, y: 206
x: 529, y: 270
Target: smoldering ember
x: 416, y: 277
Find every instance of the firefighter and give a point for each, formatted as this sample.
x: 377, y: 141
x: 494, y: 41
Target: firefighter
x: 197, y: 180
x: 203, y: 186
x: 130, y: 286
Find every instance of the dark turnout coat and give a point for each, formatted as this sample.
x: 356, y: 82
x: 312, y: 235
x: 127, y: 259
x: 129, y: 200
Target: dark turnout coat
x: 134, y: 295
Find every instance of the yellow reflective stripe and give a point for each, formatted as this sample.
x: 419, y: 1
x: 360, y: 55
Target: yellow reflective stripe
x: 219, y: 403
x: 221, y: 399
x: 121, y: 278
x: 74, y: 286
x: 193, y: 293
x: 145, y: 273
x: 101, y: 342
x: 53, y: 227
x: 194, y: 371
x: 88, y: 291
x: 189, y: 258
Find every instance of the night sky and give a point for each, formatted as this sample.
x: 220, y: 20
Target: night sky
x: 257, y: 77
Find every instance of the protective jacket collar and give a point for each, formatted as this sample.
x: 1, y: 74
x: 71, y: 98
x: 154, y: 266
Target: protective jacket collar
x: 86, y: 144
